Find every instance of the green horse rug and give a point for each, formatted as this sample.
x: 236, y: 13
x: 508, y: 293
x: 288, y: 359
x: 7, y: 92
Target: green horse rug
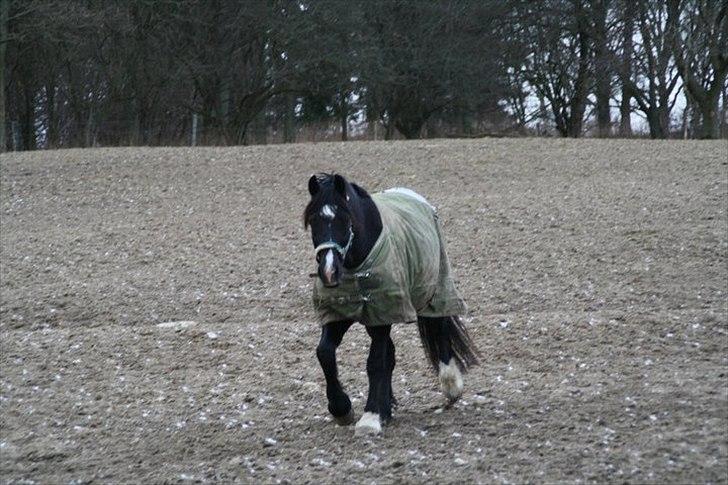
x: 406, y: 274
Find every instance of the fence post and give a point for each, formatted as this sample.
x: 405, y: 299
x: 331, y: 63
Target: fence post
x: 194, y: 129
x: 15, y: 133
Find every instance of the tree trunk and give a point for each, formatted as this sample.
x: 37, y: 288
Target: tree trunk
x: 373, y: 129
x: 603, y: 77
x: 52, y: 134
x: 664, y: 118
x: 724, y: 114
x: 655, y: 123
x: 686, y: 118
x: 581, y: 85
x: 561, y: 124
x: 541, y: 126
x: 135, y: 129
x: 388, y: 130
x: 3, y: 44
x: 28, y: 120
x: 432, y: 128
x: 344, y: 116
x: 260, y: 125
x: 242, y: 134
x: 625, y: 107
x: 289, y: 131
x: 709, y: 115
x: 89, y: 132
x: 604, y: 120
x: 625, y: 113
x: 705, y: 97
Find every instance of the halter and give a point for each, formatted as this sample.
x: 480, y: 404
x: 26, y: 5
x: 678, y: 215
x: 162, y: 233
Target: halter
x: 334, y: 245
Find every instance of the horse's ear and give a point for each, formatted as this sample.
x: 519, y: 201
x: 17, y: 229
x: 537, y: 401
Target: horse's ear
x: 313, y: 185
x: 340, y: 184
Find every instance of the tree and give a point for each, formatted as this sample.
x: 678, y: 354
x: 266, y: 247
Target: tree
x: 83, y: 73
x: 699, y: 42
x: 559, y: 64
x: 224, y: 51
x: 653, y: 82
x: 625, y: 67
x: 602, y: 66
x: 3, y: 46
x: 427, y: 56
x: 326, y: 47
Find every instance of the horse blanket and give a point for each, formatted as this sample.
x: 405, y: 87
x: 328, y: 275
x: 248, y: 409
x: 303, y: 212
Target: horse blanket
x: 406, y: 273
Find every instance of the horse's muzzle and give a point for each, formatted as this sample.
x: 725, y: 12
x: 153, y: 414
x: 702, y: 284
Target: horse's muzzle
x: 330, y: 279
x: 330, y: 269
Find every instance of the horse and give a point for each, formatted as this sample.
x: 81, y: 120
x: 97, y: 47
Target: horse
x: 381, y: 260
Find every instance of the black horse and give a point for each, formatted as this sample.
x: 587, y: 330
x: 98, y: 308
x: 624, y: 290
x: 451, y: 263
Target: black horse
x: 381, y: 260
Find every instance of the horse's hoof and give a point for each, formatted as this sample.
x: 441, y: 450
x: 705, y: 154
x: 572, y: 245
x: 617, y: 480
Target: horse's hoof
x: 368, y: 425
x: 346, y: 419
x: 451, y: 380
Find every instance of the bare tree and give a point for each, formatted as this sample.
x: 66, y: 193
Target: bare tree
x: 602, y: 65
x: 224, y: 50
x: 327, y: 48
x: 3, y: 46
x: 699, y: 43
x: 428, y: 57
x: 559, y: 66
x: 724, y: 113
x: 81, y: 73
x: 653, y: 84
x: 625, y: 67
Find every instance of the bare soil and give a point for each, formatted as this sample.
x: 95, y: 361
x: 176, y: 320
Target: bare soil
x: 595, y: 272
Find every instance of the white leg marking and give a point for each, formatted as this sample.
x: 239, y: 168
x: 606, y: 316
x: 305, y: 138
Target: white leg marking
x: 451, y: 380
x: 329, y: 264
x: 369, y: 424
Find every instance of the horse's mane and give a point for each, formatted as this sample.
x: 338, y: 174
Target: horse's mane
x: 326, y: 183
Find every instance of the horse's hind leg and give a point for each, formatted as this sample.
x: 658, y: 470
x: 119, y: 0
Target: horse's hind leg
x: 450, y: 351
x: 339, y: 403
x: 380, y: 365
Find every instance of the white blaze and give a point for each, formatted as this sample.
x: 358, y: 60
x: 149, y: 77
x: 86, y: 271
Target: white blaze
x: 329, y: 264
x: 328, y: 212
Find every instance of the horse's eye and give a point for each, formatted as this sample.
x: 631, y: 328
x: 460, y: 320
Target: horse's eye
x: 318, y: 257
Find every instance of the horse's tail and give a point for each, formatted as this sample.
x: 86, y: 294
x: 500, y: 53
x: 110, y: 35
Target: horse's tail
x: 445, y: 338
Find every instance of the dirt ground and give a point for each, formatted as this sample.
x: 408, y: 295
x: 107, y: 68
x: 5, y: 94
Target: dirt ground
x: 595, y: 272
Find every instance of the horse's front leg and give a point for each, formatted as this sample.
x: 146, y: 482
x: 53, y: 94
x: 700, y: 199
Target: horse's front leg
x: 339, y: 402
x: 380, y: 365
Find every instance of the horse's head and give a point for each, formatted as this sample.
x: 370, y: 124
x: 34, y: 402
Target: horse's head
x: 331, y: 224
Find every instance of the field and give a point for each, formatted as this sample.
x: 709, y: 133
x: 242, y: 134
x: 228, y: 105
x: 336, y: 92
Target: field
x: 594, y: 270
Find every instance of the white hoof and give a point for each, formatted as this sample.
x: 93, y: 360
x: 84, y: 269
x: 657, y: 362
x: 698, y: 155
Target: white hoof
x: 369, y: 424
x: 451, y: 380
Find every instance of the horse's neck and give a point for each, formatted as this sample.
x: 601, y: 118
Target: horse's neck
x: 367, y: 231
